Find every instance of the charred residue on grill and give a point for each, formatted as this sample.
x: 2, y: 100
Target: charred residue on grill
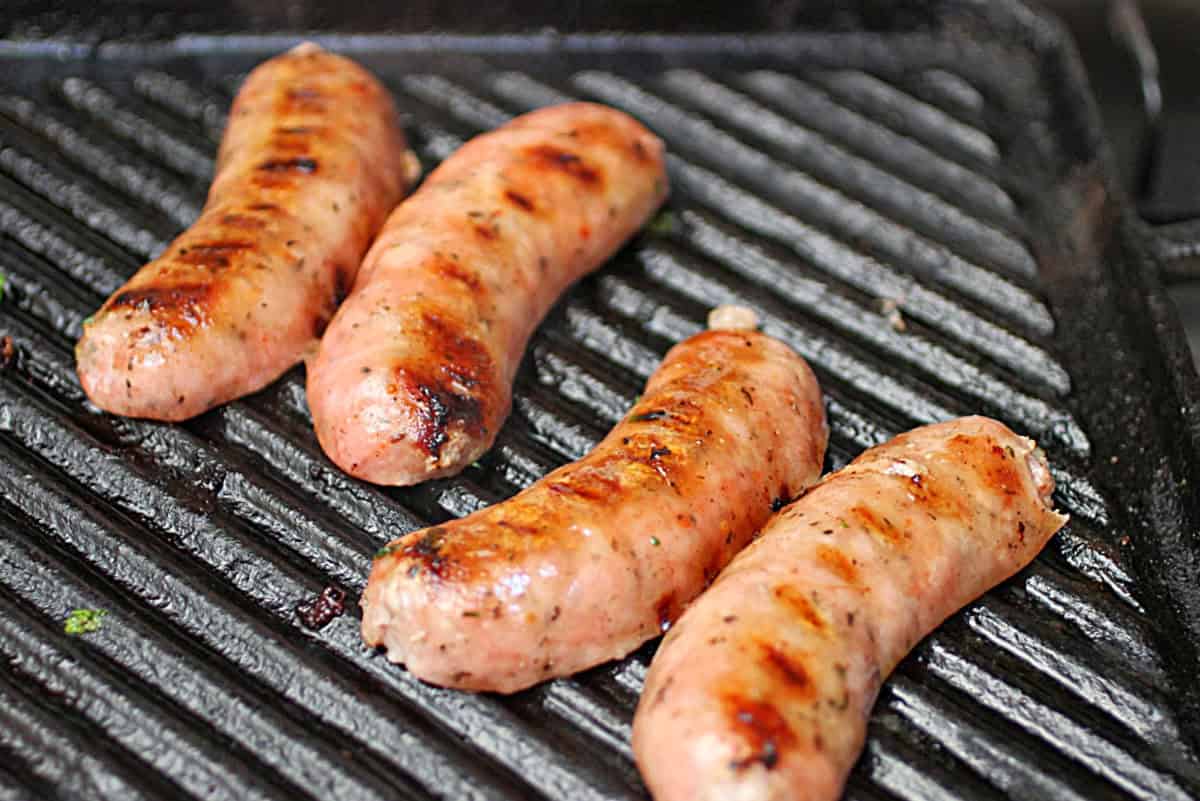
x: 8, y: 352
x: 316, y: 613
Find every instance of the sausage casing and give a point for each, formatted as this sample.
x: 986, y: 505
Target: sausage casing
x: 763, y: 689
x: 414, y: 376
x: 604, y: 553
x: 310, y: 165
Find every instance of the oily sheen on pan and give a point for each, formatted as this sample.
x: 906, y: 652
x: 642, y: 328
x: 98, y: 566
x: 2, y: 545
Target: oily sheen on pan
x: 414, y: 376
x: 604, y: 553
x: 312, y: 162
x: 763, y: 688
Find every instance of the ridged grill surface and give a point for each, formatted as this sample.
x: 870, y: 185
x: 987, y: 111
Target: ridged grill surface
x: 869, y: 213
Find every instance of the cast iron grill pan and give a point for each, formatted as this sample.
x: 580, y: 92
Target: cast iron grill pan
x: 879, y: 197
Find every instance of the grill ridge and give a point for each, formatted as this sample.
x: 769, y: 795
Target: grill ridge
x: 907, y: 113
x: 103, y: 108
x: 130, y: 178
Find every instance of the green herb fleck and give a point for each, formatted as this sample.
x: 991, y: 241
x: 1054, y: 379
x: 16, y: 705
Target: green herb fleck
x: 655, y: 541
x: 387, y: 550
x: 88, y: 320
x: 844, y: 523
x: 663, y: 224
x: 477, y: 464
x: 3, y: 281
x: 84, y: 621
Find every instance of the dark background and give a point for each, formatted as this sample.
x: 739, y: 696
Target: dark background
x: 1161, y: 172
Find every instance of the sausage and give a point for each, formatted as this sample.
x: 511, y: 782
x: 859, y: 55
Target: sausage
x: 763, y: 689
x: 604, y: 553
x: 414, y: 376
x: 312, y: 162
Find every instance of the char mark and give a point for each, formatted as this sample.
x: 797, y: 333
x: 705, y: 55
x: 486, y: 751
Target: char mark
x: 554, y: 158
x: 519, y: 200
x: 452, y: 390
x: 212, y: 254
x: 425, y: 553
x: 182, y: 306
x: 761, y: 727
x: 300, y: 164
x: 437, y: 409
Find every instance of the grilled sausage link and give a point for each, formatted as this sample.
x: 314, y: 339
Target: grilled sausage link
x: 763, y: 689
x: 603, y: 554
x: 414, y: 376
x: 309, y: 167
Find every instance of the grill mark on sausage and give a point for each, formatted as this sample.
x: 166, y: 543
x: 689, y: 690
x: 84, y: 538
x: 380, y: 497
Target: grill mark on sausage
x: 881, y: 528
x: 425, y: 554
x: 639, y: 151
x: 300, y: 164
x: 243, y: 221
x: 758, y: 724
x: 437, y: 410
x: 181, y: 307
x: 293, y: 145
x: 519, y: 200
x: 448, y: 388
x: 302, y: 98
x: 455, y: 271
x: 836, y: 562
x: 549, y: 157
x: 800, y: 606
x: 589, y: 485
x: 1003, y: 475
x: 933, y: 499
x: 790, y: 671
x: 212, y: 254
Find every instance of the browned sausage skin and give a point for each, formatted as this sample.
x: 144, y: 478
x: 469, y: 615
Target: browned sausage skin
x: 602, y: 554
x: 310, y: 165
x: 413, y: 378
x: 763, y: 689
